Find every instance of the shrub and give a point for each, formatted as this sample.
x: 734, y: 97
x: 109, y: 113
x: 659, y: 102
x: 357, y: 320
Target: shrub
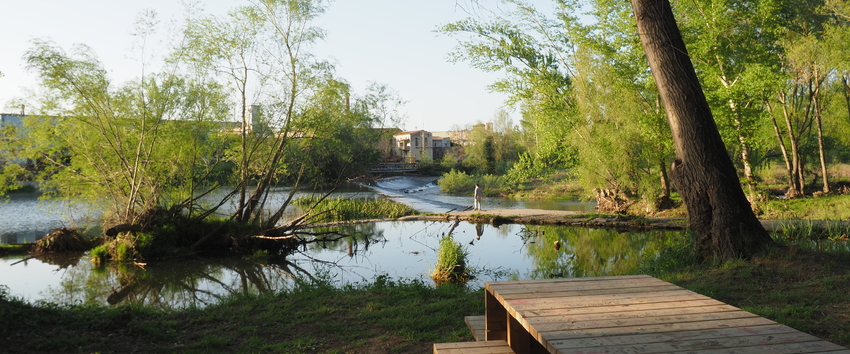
x: 451, y: 263
x: 461, y: 183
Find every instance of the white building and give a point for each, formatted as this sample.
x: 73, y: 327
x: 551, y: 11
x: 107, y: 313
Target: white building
x: 413, y: 146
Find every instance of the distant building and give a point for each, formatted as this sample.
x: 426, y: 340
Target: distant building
x: 442, y: 145
x: 413, y: 146
x: 12, y: 124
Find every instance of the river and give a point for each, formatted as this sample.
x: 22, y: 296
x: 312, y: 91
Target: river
x: 401, y: 250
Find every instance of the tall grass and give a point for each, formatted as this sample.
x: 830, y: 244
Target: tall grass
x: 829, y: 207
x: 344, y: 209
x: 799, y: 230
x: 451, y: 263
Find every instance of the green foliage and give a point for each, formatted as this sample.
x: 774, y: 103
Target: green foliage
x: 457, y: 182
x: 120, y: 148
x: 461, y: 183
x: 774, y: 72
x: 451, y: 263
x: 151, y: 151
x: 100, y: 254
x: 341, y: 209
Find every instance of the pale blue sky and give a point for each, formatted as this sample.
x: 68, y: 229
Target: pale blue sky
x: 385, y: 41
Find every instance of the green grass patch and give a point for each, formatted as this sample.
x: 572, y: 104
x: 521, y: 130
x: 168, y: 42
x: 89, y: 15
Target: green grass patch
x: 829, y: 207
x: 14, y: 249
x: 451, y: 263
x: 340, y: 209
x: 378, y: 316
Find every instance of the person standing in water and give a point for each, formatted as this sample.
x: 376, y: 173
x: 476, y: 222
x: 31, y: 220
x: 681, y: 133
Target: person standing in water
x: 476, y: 198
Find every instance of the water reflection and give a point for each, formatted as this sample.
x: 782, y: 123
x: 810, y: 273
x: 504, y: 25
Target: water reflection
x: 400, y: 250
x: 171, y: 283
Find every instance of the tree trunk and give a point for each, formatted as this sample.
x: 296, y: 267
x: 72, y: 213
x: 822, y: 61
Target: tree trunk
x: 783, y: 149
x: 665, y: 180
x: 720, y: 216
x: 797, y: 184
x: 845, y: 81
x: 819, y: 122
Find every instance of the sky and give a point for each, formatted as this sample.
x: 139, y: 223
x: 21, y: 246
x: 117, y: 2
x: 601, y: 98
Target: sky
x: 390, y: 42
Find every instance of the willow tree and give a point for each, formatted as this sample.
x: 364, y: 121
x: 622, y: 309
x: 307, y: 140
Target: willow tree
x: 720, y: 216
x: 734, y: 43
x: 536, y: 80
x: 130, y: 148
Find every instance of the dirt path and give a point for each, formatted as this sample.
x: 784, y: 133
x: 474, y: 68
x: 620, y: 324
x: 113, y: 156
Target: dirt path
x: 554, y: 217
x: 564, y: 218
x: 576, y: 218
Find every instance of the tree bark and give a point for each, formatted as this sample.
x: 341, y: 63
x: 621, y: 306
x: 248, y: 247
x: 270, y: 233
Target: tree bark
x: 722, y: 221
x: 791, y: 192
x: 819, y: 121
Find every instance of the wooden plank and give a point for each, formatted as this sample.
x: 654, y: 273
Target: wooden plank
x: 700, y: 334
x: 589, y: 292
x: 476, y: 326
x: 742, y: 324
x: 559, y: 286
x: 808, y: 347
x: 709, y: 340
x: 496, y: 324
x: 601, y: 300
x: 519, y: 338
x: 491, y: 284
x: 647, y: 321
x: 630, y: 314
x: 619, y: 308
x: 483, y: 347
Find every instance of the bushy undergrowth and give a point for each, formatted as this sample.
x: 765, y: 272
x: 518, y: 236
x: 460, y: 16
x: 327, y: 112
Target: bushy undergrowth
x: 461, y: 183
x: 340, y: 209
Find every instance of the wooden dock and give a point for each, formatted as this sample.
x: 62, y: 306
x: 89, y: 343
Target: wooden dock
x: 630, y: 314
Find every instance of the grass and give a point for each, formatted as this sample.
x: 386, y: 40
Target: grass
x: 339, y: 209
x: 451, y: 263
x: 381, y: 316
x: 830, y: 207
x: 14, y: 249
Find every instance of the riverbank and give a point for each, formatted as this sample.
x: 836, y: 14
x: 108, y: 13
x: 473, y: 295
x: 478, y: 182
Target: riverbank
x: 610, y: 221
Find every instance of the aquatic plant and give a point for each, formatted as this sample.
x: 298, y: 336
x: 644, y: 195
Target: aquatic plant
x: 451, y: 263
x: 342, y: 209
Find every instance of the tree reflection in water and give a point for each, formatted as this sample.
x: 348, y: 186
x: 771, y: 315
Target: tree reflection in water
x: 358, y: 252
x: 171, y: 284
x: 584, y: 252
x: 195, y: 282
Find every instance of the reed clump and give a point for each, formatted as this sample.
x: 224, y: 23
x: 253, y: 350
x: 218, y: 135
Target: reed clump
x: 346, y: 209
x: 451, y: 263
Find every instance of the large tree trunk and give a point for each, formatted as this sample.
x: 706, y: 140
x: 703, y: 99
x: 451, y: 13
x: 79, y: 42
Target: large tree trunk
x: 720, y: 216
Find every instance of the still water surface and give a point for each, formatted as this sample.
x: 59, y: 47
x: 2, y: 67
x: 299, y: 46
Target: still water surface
x: 402, y: 250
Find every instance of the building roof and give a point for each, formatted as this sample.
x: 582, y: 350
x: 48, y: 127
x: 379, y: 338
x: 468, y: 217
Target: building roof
x: 409, y: 132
